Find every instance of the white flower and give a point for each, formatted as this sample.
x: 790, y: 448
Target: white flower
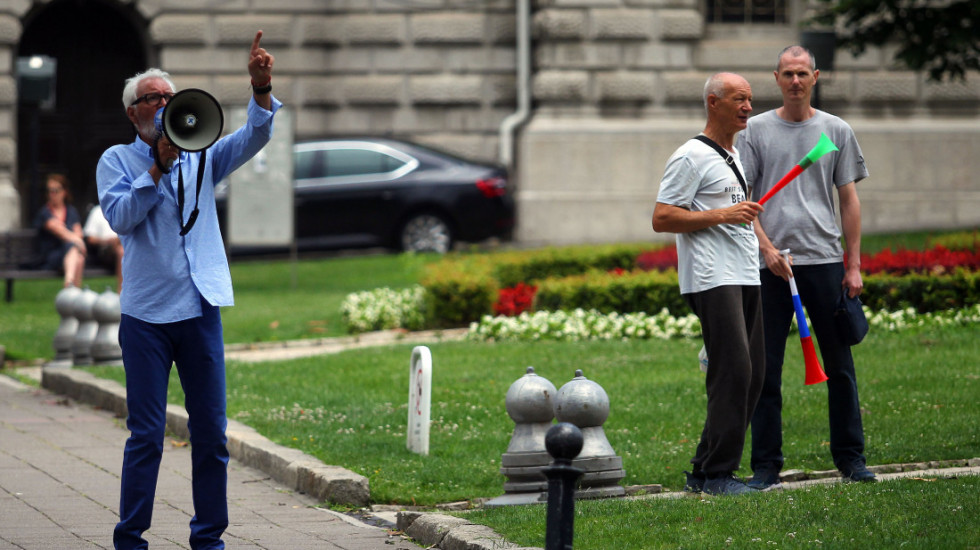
x: 580, y: 325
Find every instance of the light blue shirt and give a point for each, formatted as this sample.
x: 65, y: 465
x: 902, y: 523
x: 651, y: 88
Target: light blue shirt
x: 164, y: 274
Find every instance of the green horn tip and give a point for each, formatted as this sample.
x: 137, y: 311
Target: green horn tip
x: 823, y: 147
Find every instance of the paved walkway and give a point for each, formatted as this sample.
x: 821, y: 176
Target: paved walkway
x: 60, y: 464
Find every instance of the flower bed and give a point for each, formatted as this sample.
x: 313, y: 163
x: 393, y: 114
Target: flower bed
x: 461, y: 289
x: 384, y: 308
x: 581, y: 325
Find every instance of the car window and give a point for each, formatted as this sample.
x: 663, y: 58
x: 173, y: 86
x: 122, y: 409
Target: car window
x: 307, y: 164
x: 356, y: 162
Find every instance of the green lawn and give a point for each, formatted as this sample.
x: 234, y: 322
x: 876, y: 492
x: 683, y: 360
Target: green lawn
x: 919, y: 394
x: 922, y: 514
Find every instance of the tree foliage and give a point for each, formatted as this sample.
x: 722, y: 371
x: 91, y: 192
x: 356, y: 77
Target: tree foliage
x: 938, y: 36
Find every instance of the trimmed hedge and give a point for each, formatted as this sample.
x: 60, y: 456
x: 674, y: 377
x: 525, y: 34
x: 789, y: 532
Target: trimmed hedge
x: 924, y: 293
x: 462, y: 288
x: 459, y: 290
x: 647, y: 291
x: 529, y: 266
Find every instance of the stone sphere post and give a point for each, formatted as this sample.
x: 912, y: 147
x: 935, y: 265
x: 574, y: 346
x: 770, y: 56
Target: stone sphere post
x: 529, y: 404
x: 81, y: 344
x: 105, y: 346
x: 585, y: 404
x: 64, y: 304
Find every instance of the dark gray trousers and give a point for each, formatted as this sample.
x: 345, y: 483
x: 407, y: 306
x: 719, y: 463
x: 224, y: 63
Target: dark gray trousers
x: 731, y: 325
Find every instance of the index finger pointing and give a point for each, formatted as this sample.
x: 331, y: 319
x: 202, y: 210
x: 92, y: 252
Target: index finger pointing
x: 255, y: 43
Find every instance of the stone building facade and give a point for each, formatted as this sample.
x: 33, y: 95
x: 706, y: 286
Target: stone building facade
x: 613, y: 87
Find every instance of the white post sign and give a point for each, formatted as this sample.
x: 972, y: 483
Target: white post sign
x: 260, y: 193
x: 419, y: 400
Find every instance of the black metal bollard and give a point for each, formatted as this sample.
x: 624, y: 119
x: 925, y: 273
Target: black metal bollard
x: 564, y: 442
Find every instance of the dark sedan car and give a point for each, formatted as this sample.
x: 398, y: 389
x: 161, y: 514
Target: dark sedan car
x: 382, y: 192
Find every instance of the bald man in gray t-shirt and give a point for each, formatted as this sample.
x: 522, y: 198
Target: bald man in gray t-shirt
x: 801, y: 218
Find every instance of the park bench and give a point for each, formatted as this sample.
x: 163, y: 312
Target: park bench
x: 18, y: 251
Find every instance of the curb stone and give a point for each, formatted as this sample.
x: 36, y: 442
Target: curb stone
x: 452, y: 533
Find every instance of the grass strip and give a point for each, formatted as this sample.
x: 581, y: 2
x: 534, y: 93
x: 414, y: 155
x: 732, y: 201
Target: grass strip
x: 925, y: 513
x: 918, y: 396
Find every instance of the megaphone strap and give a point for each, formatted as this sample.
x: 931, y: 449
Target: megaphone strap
x: 156, y: 157
x: 185, y: 228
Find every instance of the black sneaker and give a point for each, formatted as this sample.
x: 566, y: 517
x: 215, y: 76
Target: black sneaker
x: 858, y: 472
x: 727, y: 485
x: 695, y: 482
x: 764, y: 478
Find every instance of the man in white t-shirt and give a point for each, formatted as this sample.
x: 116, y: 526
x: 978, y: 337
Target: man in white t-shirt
x: 103, y: 242
x: 704, y: 201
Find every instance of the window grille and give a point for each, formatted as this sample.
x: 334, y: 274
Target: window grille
x: 746, y: 11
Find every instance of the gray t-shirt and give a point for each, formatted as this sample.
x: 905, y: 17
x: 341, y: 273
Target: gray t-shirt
x: 800, y: 217
x: 698, y: 179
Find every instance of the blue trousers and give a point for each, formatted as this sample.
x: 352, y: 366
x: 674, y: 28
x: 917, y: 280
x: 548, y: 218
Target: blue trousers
x: 149, y: 351
x: 819, y: 287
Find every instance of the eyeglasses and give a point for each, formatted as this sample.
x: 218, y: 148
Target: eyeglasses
x: 54, y: 190
x: 153, y: 99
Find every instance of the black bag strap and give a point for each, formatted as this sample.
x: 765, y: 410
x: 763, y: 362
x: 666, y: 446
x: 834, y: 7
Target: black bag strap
x: 729, y: 160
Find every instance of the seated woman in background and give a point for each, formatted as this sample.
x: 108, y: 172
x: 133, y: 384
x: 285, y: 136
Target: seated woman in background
x: 104, y: 244
x: 59, y: 226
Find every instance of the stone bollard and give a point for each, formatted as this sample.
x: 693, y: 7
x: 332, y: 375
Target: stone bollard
x: 64, y: 304
x: 105, y: 346
x: 585, y: 404
x: 564, y: 442
x: 529, y: 404
x: 81, y: 344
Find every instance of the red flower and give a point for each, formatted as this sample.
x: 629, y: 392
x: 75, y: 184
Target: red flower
x: 661, y: 259
x: 514, y: 300
x: 937, y: 261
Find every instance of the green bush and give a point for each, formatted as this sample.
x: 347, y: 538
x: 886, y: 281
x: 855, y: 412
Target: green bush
x: 646, y: 291
x: 535, y: 265
x: 459, y: 289
x: 924, y: 293
x: 961, y: 240
x: 651, y: 291
x: 462, y: 288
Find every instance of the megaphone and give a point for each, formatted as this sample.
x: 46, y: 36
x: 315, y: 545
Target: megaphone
x: 192, y: 120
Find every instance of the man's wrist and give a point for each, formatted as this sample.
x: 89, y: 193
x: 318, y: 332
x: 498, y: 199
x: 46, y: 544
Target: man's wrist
x: 263, y: 88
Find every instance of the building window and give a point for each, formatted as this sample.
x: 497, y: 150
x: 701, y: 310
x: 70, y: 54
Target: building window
x: 746, y: 11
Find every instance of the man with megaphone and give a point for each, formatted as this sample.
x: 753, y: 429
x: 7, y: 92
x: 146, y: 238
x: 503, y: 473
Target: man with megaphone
x: 177, y: 278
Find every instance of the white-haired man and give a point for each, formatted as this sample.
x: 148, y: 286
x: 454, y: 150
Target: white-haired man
x: 177, y: 277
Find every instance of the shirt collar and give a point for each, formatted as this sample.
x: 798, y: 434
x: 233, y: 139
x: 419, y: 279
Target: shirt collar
x: 142, y: 146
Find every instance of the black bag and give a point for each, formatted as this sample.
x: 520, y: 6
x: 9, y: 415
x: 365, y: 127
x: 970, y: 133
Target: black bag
x: 852, y: 325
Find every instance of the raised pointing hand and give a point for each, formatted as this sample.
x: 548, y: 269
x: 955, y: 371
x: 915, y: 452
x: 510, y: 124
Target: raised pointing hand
x: 260, y: 62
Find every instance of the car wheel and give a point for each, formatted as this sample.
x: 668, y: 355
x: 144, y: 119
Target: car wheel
x: 426, y: 232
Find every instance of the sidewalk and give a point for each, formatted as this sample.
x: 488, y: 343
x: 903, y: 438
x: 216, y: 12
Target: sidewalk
x: 60, y: 464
